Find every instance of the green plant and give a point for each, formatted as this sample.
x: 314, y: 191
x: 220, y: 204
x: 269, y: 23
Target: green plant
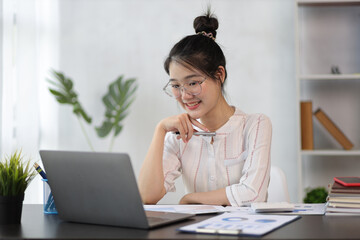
x: 15, y: 175
x: 65, y: 94
x: 117, y: 101
x: 316, y: 195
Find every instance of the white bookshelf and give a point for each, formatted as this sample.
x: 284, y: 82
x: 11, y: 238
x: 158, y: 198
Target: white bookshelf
x: 327, y: 33
x: 330, y: 152
x: 330, y: 77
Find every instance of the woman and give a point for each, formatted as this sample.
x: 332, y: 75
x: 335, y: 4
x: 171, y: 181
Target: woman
x: 230, y: 168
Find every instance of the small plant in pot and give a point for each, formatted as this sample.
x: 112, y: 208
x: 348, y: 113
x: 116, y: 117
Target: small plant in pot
x: 15, y: 176
x: 316, y: 195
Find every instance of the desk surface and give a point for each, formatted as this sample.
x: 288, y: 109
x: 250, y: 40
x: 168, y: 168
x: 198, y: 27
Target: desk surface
x: 36, y: 225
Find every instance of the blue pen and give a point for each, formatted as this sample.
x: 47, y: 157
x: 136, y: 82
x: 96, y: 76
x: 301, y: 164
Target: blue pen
x: 40, y: 171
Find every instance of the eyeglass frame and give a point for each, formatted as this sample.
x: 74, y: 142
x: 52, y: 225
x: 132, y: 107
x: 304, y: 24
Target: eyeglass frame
x: 182, y: 86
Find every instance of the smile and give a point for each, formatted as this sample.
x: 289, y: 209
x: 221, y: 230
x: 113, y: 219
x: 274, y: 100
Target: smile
x: 192, y: 105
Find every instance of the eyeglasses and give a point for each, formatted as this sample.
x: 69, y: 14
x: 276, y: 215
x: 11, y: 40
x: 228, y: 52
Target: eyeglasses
x: 174, y: 89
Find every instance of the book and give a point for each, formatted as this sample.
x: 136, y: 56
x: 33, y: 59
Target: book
x: 349, y: 195
x: 344, y: 205
x: 333, y: 209
x: 342, y: 212
x: 345, y: 191
x: 344, y: 200
x: 307, y: 136
x: 338, y: 188
x: 333, y: 129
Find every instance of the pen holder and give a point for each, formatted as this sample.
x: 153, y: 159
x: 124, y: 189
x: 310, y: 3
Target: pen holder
x: 49, y: 204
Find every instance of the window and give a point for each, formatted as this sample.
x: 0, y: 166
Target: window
x: 29, y: 40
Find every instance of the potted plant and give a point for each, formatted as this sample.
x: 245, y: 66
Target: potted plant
x: 15, y: 176
x: 316, y: 195
x: 117, y: 101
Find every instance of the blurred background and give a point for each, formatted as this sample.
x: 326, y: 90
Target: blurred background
x: 95, y: 41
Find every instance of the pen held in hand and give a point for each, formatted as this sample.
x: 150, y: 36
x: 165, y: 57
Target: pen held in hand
x: 209, y: 134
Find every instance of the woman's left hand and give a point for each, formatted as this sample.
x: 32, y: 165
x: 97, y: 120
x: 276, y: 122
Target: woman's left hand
x: 187, y: 199
x: 216, y: 197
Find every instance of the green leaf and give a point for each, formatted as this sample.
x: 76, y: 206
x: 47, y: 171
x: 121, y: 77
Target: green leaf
x: 108, y: 102
x: 118, y: 129
x: 56, y: 93
x: 104, y: 130
x: 117, y: 101
x: 65, y: 94
x: 15, y: 175
x: 85, y: 116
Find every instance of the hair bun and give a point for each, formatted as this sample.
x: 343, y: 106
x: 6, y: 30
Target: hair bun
x: 207, y: 23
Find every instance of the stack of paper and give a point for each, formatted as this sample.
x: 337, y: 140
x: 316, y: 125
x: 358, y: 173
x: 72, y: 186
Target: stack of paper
x: 343, y: 200
x: 191, y: 209
x: 298, y: 209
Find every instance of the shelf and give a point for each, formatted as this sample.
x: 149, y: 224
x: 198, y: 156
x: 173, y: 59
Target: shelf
x: 330, y: 77
x: 327, y: 3
x: 329, y: 152
x: 327, y: 35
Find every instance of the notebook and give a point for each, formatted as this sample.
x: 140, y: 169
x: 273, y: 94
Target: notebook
x: 99, y: 188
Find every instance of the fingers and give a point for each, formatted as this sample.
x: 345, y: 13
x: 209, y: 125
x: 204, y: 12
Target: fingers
x: 198, y: 124
x: 183, y: 129
x: 183, y: 124
x: 190, y: 130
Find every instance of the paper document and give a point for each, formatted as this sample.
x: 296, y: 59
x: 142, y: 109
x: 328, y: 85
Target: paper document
x: 239, y: 224
x: 238, y: 209
x: 307, y: 209
x: 192, y: 209
x: 299, y: 209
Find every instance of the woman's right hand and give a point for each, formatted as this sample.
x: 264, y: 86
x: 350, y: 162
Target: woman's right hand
x: 183, y: 124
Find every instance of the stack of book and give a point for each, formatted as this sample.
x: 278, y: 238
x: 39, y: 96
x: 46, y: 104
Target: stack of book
x: 343, y: 200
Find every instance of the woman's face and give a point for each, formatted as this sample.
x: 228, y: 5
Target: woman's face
x: 199, y: 105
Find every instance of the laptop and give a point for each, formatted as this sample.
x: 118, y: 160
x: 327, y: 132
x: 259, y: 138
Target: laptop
x: 99, y: 188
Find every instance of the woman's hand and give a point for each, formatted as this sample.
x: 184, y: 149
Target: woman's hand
x: 186, y: 199
x: 151, y: 178
x: 215, y: 197
x: 183, y: 124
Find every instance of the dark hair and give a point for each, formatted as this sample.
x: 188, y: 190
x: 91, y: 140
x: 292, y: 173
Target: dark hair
x: 199, y: 51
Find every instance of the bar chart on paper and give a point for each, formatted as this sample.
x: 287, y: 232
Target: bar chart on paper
x: 235, y: 224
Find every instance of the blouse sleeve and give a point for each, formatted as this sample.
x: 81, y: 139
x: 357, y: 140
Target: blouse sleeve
x: 171, y: 162
x: 255, y: 176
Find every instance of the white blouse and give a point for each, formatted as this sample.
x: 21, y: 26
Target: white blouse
x: 238, y: 159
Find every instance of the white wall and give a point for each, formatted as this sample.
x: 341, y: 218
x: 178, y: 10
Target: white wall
x: 102, y: 39
x: 1, y: 64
